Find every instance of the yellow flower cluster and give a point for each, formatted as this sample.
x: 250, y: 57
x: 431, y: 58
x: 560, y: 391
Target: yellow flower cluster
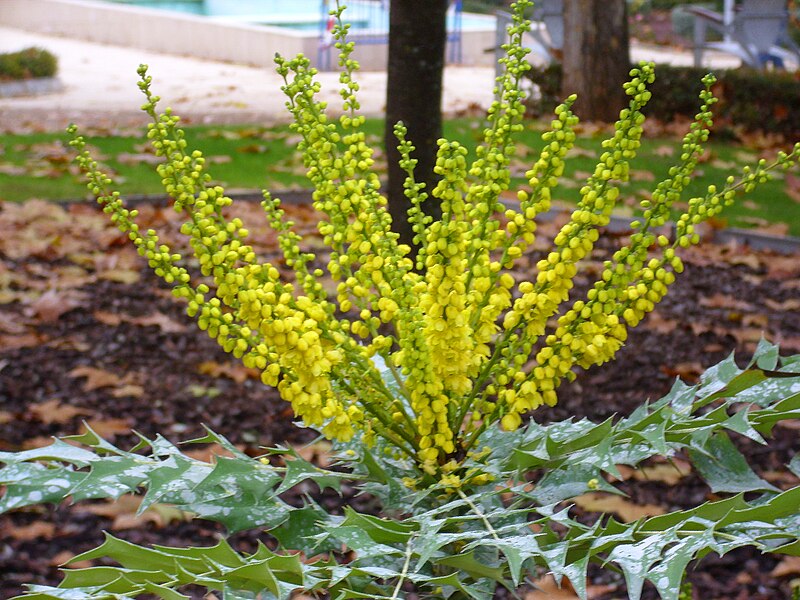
x: 425, y: 354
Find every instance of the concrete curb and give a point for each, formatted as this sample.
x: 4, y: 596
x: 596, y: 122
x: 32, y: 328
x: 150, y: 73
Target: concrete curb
x: 30, y: 87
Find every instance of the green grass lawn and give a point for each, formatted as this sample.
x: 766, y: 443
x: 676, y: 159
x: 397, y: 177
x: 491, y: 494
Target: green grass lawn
x: 251, y: 157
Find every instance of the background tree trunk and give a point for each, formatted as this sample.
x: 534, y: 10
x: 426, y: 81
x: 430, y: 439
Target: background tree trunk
x: 596, y: 57
x: 417, y: 40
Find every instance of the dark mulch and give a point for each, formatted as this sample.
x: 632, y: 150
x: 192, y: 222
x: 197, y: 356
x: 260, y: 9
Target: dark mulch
x: 723, y: 302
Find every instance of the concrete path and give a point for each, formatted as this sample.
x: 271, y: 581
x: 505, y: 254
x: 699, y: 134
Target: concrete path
x: 100, y: 86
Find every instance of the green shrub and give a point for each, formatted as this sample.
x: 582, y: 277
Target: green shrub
x: 27, y: 64
x: 421, y: 373
x: 675, y: 95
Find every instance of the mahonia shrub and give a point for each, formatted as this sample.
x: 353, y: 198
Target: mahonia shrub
x: 467, y: 343
x: 423, y: 371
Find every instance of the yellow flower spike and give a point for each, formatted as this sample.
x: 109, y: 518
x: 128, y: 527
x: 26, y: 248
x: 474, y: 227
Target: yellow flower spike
x: 424, y: 359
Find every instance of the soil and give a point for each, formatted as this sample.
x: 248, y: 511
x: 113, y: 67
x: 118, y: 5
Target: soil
x: 178, y: 379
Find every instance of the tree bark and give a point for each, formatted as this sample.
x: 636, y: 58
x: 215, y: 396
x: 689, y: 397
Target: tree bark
x: 596, y: 57
x: 417, y: 41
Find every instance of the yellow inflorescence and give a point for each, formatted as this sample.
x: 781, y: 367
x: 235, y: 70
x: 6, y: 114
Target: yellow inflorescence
x: 425, y: 353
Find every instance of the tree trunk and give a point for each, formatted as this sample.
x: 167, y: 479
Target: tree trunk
x: 596, y: 57
x: 417, y: 40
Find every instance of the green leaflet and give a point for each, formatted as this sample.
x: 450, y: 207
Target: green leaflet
x: 463, y: 546
x: 725, y: 469
x: 380, y: 530
x: 239, y: 492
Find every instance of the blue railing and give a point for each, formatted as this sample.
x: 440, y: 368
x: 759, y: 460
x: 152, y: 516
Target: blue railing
x: 369, y: 24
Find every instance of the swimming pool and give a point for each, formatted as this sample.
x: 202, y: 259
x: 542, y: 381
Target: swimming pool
x: 304, y: 15
x: 186, y: 28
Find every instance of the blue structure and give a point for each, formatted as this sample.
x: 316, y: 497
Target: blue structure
x: 369, y: 20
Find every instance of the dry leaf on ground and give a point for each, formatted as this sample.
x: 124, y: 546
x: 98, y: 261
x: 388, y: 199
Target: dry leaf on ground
x: 107, y: 428
x: 688, y: 371
x: 723, y: 301
x: 234, y: 371
x: 787, y: 567
x: 611, y: 503
x: 53, y: 303
x: 37, y: 529
x: 53, y: 411
x: 669, y: 472
x: 123, y: 513
x: 60, y: 560
x: 548, y: 589
x: 96, y: 378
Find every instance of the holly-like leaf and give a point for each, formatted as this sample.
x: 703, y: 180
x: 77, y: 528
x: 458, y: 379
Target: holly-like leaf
x: 299, y: 470
x: 385, y: 531
x: 725, y: 469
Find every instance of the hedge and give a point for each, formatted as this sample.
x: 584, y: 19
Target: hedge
x: 675, y: 95
x: 27, y: 64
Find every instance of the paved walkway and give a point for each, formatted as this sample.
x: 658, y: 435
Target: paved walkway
x: 100, y: 86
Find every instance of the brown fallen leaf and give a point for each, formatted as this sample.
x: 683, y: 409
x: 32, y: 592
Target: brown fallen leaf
x: 669, y: 473
x: 107, y: 428
x: 13, y: 324
x: 40, y: 441
x: 788, y: 566
x: 664, y: 151
x: 783, y: 266
x: 27, y: 340
x: 209, y: 453
x: 161, y: 320
x: 777, y: 229
x: 750, y: 260
x: 69, y: 343
x: 95, y: 378
x: 165, y: 323
x: 639, y: 175
x: 317, y: 453
x: 792, y: 304
x: 782, y: 479
x: 123, y: 511
x: 127, y: 276
x: 129, y: 390
x: 252, y: 149
x: 725, y: 165
x: 63, y: 557
x: 49, y: 307
x: 713, y: 347
x: 611, y: 503
x: 107, y: 318
x: 747, y: 335
x: 656, y: 322
x: 792, y: 188
x: 598, y: 591
x: 141, y: 158
x: 688, y: 371
x: 548, y: 589
x: 744, y: 578
x: 53, y: 411
x: 13, y: 170
x: 26, y: 533
x: 234, y: 371
x: 759, y: 322
x: 724, y: 301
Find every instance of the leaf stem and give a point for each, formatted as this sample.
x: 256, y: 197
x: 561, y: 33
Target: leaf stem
x: 480, y: 514
x: 404, y: 572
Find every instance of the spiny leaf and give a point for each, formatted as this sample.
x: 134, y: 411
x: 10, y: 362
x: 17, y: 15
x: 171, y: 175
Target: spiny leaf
x: 725, y: 469
x: 381, y: 530
x: 299, y: 470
